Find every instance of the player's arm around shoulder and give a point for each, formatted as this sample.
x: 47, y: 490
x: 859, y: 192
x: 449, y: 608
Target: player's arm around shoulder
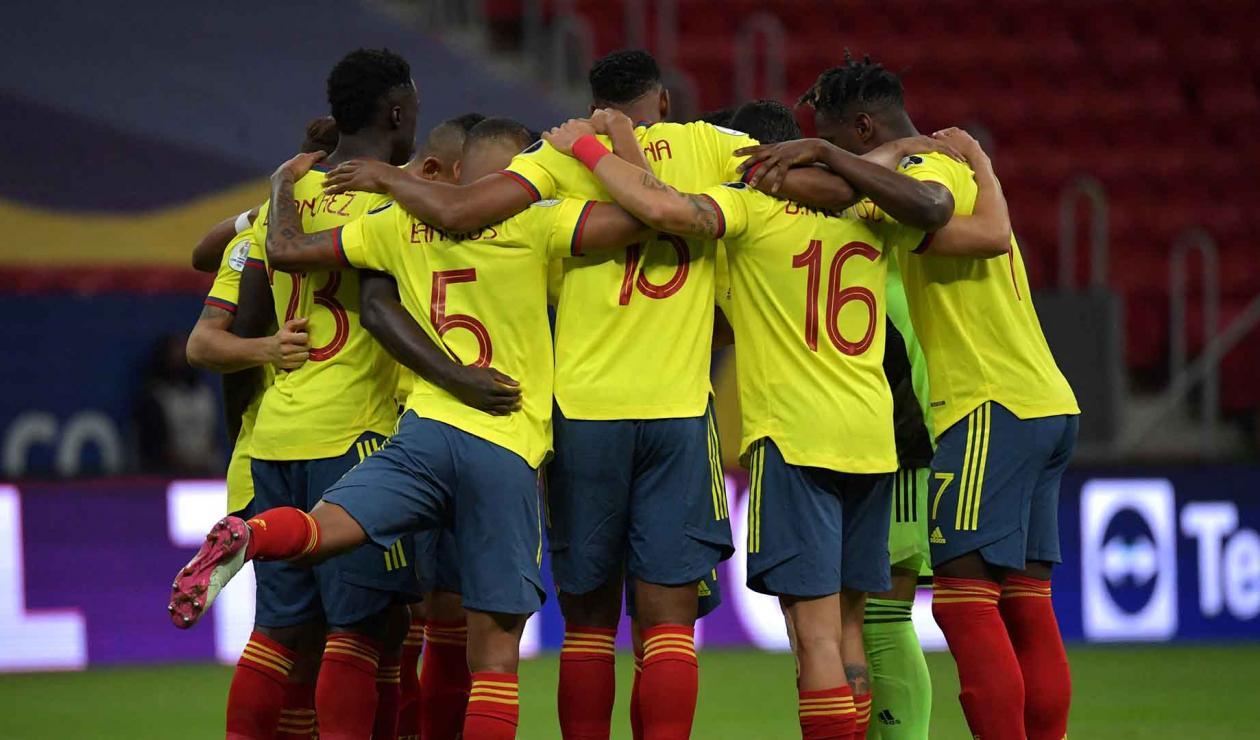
x: 289, y: 248
x: 641, y: 193
x: 986, y: 232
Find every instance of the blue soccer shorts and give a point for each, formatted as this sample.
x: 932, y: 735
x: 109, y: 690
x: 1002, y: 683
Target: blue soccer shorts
x: 995, y: 487
x: 431, y: 474
x: 647, y: 496
x: 812, y: 531
x: 343, y: 590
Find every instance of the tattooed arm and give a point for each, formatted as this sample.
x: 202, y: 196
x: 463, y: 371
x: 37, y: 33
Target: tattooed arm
x: 289, y: 248
x: 656, y: 204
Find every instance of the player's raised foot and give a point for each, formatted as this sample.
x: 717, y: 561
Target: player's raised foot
x: 200, y: 581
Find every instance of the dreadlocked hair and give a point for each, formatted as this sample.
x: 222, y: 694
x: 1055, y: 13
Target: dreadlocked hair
x: 856, y: 81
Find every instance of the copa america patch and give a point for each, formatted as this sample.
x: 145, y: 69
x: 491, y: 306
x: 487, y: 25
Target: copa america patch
x: 910, y: 161
x: 546, y: 203
x: 236, y: 260
x: 729, y: 131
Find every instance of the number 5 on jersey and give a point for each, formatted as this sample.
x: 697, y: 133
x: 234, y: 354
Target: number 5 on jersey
x: 444, y: 322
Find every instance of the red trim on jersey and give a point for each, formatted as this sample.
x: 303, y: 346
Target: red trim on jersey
x: 923, y: 245
x: 575, y: 244
x: 255, y: 263
x: 339, y: 248
x: 321, y: 167
x: 748, y: 173
x: 721, y: 217
x: 520, y: 180
x: 220, y: 303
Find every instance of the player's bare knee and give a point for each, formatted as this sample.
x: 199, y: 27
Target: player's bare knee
x: 1039, y: 569
x: 599, y: 608
x: 656, y: 604
x: 338, y: 532
x: 494, y: 641
x: 971, y: 566
x: 444, y: 606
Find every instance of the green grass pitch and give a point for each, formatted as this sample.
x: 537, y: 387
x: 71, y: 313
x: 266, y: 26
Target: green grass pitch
x: 1119, y: 692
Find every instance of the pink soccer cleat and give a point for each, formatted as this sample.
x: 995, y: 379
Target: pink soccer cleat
x: 198, y: 584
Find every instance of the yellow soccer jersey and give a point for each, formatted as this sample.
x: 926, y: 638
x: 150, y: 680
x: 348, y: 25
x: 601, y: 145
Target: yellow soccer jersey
x: 634, y: 327
x: 347, y: 386
x: 224, y: 294
x: 809, y: 312
x: 976, y: 322
x: 482, y: 296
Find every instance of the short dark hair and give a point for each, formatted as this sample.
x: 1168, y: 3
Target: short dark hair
x: 719, y: 117
x: 359, y: 82
x: 856, y: 81
x: 767, y: 121
x: 623, y: 76
x: 321, y: 135
x: 504, y: 129
x: 447, y: 138
x: 465, y: 122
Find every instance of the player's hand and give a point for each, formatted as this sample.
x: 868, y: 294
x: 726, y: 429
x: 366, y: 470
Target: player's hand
x: 562, y: 137
x: 365, y: 175
x: 292, y: 345
x: 927, y: 144
x: 774, y: 160
x: 963, y: 143
x: 606, y: 120
x: 298, y: 166
x: 485, y: 389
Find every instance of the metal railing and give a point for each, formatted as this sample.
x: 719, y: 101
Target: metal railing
x: 1087, y: 187
x: 1196, y: 240
x: 768, y: 28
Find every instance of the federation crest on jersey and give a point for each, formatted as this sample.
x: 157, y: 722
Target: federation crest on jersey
x: 910, y: 161
x: 236, y: 260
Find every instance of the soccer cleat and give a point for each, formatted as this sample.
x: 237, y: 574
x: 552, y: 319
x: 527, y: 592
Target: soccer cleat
x: 199, y: 582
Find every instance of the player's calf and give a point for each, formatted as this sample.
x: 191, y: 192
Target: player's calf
x: 1028, y: 613
x: 587, y: 686
x: 826, y: 708
x: 494, y: 642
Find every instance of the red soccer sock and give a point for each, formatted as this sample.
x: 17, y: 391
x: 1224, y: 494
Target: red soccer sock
x: 256, y: 696
x: 1029, y: 616
x: 670, y: 682
x: 493, y: 707
x: 862, y: 709
x: 297, y: 720
x: 388, y: 698
x: 636, y: 708
x: 827, y: 714
x: 282, y: 533
x: 409, y: 704
x: 345, y: 695
x: 587, y: 683
x: 992, y: 694
x: 444, y: 680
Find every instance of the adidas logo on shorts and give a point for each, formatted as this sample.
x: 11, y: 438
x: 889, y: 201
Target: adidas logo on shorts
x: 937, y: 538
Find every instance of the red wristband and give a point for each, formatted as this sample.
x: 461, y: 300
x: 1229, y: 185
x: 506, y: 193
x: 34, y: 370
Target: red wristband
x: 589, y: 151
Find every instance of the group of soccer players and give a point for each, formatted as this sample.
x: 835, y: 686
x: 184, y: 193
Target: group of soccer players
x: 372, y: 279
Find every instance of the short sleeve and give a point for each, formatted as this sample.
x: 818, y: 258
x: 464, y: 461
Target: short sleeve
x: 534, y: 168
x: 731, y: 202
x: 726, y: 142
x: 256, y: 256
x: 929, y: 168
x: 556, y: 226
x: 365, y: 242
x: 226, y: 290
x: 901, y: 238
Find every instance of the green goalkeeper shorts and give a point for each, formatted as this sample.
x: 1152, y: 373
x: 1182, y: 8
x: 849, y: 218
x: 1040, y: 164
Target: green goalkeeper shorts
x: 907, y: 533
